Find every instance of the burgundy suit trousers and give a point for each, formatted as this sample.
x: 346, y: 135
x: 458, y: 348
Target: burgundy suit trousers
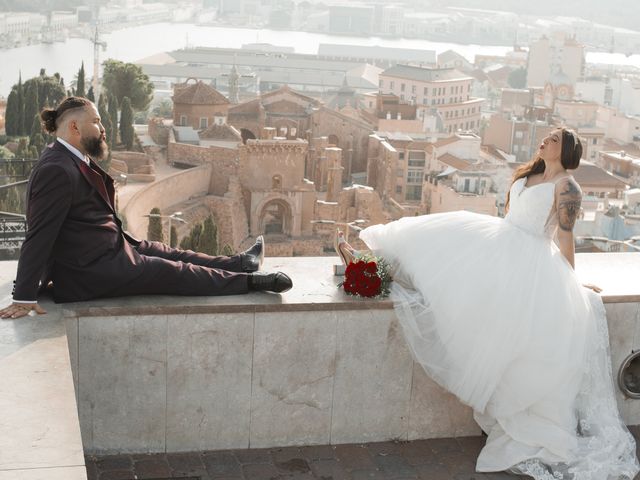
x: 170, y: 271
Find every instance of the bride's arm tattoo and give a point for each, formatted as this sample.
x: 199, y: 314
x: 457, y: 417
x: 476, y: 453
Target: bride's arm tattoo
x: 569, y: 199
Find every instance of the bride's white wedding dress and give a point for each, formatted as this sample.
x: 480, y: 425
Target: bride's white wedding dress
x: 496, y: 315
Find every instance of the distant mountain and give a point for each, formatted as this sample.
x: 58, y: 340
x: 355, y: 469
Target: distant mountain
x: 618, y: 13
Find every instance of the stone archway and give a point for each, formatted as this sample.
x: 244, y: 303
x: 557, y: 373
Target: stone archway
x: 276, y: 218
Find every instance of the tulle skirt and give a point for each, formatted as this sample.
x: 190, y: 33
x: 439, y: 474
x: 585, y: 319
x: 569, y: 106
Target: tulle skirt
x: 497, y: 316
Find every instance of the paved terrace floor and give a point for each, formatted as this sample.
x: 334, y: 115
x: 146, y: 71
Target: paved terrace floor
x: 437, y: 459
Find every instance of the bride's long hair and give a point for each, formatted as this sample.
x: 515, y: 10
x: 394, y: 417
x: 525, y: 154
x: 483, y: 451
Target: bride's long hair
x: 569, y: 158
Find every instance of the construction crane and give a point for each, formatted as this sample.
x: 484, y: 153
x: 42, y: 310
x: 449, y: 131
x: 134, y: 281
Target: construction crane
x: 97, y: 44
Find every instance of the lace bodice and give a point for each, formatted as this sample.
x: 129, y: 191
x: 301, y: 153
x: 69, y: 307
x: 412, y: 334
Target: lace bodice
x: 531, y: 208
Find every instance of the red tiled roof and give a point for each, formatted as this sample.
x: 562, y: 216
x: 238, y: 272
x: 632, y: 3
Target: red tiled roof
x: 221, y: 132
x: 198, y: 93
x: 454, y: 161
x: 588, y: 174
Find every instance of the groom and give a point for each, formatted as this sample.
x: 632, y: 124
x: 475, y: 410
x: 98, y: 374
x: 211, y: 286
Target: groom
x: 75, y: 239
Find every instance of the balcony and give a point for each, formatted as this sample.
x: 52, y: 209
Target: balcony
x: 173, y: 374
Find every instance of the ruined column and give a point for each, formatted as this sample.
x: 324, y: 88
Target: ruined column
x: 334, y: 173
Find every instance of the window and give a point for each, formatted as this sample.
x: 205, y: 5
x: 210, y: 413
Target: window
x: 595, y: 141
x: 391, y: 84
x: 400, y: 172
x: 402, y: 85
x: 426, y: 91
x: 398, y: 189
x: 204, y: 122
x: 414, y: 177
x: 467, y: 183
x: 434, y: 91
x: 414, y: 192
x: 183, y: 120
x: 425, y: 101
x: 276, y: 182
x: 413, y: 89
x: 381, y: 84
x: 416, y: 159
x: 401, y: 156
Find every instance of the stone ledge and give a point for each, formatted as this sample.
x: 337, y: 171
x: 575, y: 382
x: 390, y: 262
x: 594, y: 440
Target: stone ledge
x: 41, y: 406
x: 315, y: 288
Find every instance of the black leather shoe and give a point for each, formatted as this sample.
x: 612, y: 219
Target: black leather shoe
x: 251, y: 259
x: 277, y: 282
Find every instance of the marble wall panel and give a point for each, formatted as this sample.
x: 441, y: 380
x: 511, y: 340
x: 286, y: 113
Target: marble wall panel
x: 122, y: 378
x: 209, y: 381
x: 71, y: 327
x: 294, y: 362
x: 436, y: 413
x: 373, y: 378
x: 624, y: 337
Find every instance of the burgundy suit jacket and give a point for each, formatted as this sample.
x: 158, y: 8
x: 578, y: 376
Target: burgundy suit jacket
x: 74, y: 236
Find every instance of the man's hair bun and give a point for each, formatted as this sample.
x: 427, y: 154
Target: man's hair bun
x: 50, y: 116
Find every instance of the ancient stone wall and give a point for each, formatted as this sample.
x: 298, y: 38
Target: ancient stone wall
x: 158, y: 131
x: 351, y: 135
x: 164, y: 193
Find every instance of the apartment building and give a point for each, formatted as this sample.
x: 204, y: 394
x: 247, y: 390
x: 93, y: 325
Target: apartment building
x: 445, y: 90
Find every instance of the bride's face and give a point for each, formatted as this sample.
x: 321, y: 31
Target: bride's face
x: 551, y: 147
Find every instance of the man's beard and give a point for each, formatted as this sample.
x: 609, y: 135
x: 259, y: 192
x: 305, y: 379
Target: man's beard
x: 95, y: 147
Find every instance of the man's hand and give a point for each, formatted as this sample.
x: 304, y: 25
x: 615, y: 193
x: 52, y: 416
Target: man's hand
x: 17, y: 310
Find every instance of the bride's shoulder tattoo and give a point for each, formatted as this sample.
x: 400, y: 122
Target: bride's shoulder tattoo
x: 569, y: 200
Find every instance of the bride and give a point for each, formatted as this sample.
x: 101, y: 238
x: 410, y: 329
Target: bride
x: 493, y: 311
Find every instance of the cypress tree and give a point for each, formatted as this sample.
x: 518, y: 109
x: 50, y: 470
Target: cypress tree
x: 37, y: 141
x: 185, y: 243
x: 196, y: 233
x: 106, y: 122
x: 173, y: 237
x: 80, y: 83
x: 104, y: 117
x: 23, y: 149
x: 113, y: 113
x: 36, y: 128
x: 154, y: 231
x: 126, y: 123
x: 208, y: 242
x: 90, y: 94
x: 12, y: 114
x: 20, y: 124
x: 30, y: 104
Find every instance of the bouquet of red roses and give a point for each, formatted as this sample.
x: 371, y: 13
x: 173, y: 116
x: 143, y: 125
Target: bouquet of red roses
x: 367, y: 276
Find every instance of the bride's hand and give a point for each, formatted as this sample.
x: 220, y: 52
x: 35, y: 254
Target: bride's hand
x: 595, y: 288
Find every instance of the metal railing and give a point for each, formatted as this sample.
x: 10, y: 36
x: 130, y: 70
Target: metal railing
x: 612, y: 245
x: 13, y: 229
x: 16, y: 169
